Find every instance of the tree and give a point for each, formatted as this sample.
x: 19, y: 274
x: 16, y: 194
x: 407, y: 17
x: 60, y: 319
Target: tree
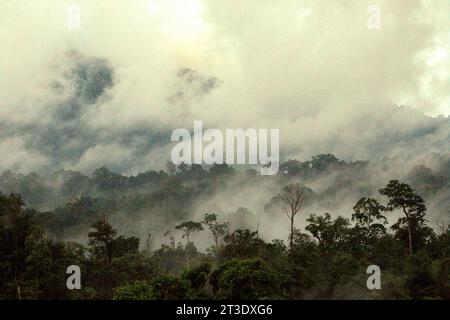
x: 369, y: 223
x: 122, y: 246
x: 241, y: 244
x: 164, y: 287
x: 101, y: 243
x: 139, y: 290
x: 329, y: 233
x: 171, y: 168
x: 114, y: 259
x: 31, y: 266
x: 187, y: 228
x: 402, y: 196
x: 366, y: 212
x: 292, y: 198
x: 169, y: 287
x: 242, y: 218
x: 101, y: 240
x: 16, y: 231
x: 196, y: 172
x: 218, y: 229
x: 322, y: 162
x: 220, y: 170
x: 183, y: 169
x: 198, y: 279
x: 248, y: 279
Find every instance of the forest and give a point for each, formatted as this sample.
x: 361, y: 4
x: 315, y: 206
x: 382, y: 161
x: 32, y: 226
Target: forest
x: 149, y: 236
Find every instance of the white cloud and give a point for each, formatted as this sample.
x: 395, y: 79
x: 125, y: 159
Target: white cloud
x: 310, y: 68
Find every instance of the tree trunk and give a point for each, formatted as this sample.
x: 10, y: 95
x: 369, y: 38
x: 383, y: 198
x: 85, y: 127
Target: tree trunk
x: 187, y: 260
x: 409, y: 237
x: 186, y: 252
x: 216, y: 240
x: 409, y: 230
x: 16, y: 281
x: 291, y: 236
x: 36, y: 286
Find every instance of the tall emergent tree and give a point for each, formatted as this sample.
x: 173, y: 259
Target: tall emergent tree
x: 218, y: 229
x: 292, y: 198
x: 101, y: 240
x: 402, y: 196
x: 369, y: 222
x: 187, y: 228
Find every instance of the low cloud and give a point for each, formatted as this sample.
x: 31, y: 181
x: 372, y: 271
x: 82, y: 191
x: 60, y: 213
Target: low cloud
x: 111, y: 92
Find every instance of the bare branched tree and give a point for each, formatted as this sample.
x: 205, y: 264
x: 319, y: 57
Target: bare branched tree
x: 292, y: 198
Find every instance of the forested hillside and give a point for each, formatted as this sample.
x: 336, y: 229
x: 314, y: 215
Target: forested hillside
x: 194, y: 232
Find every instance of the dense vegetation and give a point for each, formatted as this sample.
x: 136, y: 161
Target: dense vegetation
x: 327, y: 259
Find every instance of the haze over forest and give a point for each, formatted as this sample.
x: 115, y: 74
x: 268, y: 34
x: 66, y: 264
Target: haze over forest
x: 109, y: 93
x: 86, y: 113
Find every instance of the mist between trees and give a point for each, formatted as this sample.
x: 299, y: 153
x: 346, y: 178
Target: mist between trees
x: 220, y: 233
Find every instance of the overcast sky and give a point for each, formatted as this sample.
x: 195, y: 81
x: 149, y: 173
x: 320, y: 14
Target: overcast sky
x: 313, y: 69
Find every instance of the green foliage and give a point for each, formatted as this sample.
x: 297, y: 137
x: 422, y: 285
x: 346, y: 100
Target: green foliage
x: 401, y: 196
x: 218, y: 229
x: 198, y: 276
x: 139, y: 290
x: 369, y: 225
x: 248, y: 279
x: 241, y: 244
x: 168, y: 287
x: 330, y: 234
x: 188, y: 227
x: 326, y: 260
x: 198, y: 279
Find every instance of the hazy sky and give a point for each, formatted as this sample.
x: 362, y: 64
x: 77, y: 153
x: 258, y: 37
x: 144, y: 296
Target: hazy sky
x: 313, y: 69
